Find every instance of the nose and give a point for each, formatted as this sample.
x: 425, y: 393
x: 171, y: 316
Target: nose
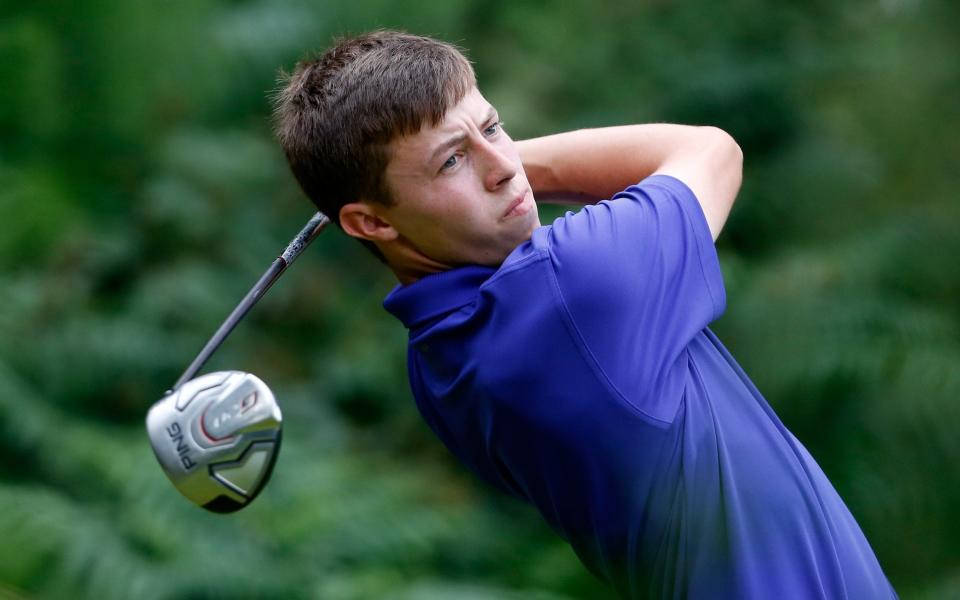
x: 499, y: 168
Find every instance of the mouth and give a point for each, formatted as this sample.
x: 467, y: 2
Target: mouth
x: 517, y: 207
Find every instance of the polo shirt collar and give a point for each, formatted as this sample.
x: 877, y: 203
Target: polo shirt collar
x: 436, y: 294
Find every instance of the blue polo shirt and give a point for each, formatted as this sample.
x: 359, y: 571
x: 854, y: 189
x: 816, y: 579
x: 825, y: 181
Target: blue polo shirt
x: 580, y: 376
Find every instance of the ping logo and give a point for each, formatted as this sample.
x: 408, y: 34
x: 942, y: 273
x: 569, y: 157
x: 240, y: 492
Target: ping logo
x: 183, y: 451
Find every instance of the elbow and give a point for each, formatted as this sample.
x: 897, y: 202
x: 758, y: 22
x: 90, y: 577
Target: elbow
x: 727, y: 157
x: 735, y: 157
x: 726, y: 148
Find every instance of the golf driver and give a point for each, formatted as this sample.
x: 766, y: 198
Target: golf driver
x: 217, y: 436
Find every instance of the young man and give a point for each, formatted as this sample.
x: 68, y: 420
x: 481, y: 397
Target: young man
x: 570, y: 365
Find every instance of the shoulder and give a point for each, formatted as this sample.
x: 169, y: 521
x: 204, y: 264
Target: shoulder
x: 617, y: 242
x: 656, y: 201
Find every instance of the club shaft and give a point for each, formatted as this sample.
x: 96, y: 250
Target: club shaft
x: 311, y: 230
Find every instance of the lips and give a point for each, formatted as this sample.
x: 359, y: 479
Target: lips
x: 515, y: 207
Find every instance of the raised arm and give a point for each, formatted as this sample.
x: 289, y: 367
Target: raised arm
x: 597, y: 163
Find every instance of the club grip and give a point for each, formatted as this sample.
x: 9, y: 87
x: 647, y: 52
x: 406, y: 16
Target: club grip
x: 309, y: 232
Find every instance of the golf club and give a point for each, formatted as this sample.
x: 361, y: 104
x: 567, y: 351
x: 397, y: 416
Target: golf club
x: 217, y: 436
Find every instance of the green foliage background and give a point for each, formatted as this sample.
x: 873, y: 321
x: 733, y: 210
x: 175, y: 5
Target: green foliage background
x: 141, y: 194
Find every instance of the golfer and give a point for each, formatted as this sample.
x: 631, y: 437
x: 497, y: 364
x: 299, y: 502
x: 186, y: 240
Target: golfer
x: 570, y: 365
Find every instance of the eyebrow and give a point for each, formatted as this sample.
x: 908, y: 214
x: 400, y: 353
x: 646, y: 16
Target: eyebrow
x: 457, y: 139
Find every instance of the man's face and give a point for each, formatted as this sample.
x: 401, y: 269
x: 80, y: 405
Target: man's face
x: 459, y: 190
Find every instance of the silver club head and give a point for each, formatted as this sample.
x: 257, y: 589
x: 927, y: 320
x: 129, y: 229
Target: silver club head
x: 217, y: 438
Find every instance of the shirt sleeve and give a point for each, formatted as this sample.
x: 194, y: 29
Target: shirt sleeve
x: 638, y: 277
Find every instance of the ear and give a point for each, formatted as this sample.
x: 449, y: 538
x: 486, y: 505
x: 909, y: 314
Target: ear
x: 360, y: 220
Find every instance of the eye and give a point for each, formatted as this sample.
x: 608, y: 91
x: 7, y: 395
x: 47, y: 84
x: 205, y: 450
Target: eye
x: 450, y: 163
x: 493, y: 129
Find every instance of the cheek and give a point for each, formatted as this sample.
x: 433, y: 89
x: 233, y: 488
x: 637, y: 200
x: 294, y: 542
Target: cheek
x: 509, y: 149
x: 453, y: 213
x: 463, y: 200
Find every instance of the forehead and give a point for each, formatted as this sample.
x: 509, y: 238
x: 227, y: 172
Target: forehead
x: 412, y: 151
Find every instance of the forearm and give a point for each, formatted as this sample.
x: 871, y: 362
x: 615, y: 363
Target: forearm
x: 597, y: 163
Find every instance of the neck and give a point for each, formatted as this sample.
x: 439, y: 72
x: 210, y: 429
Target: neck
x: 409, y: 264
x: 408, y: 276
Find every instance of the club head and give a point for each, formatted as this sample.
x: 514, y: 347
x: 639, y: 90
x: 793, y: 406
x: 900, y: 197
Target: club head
x: 217, y: 438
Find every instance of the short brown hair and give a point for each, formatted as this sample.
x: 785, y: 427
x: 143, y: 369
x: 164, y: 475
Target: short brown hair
x: 337, y: 113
